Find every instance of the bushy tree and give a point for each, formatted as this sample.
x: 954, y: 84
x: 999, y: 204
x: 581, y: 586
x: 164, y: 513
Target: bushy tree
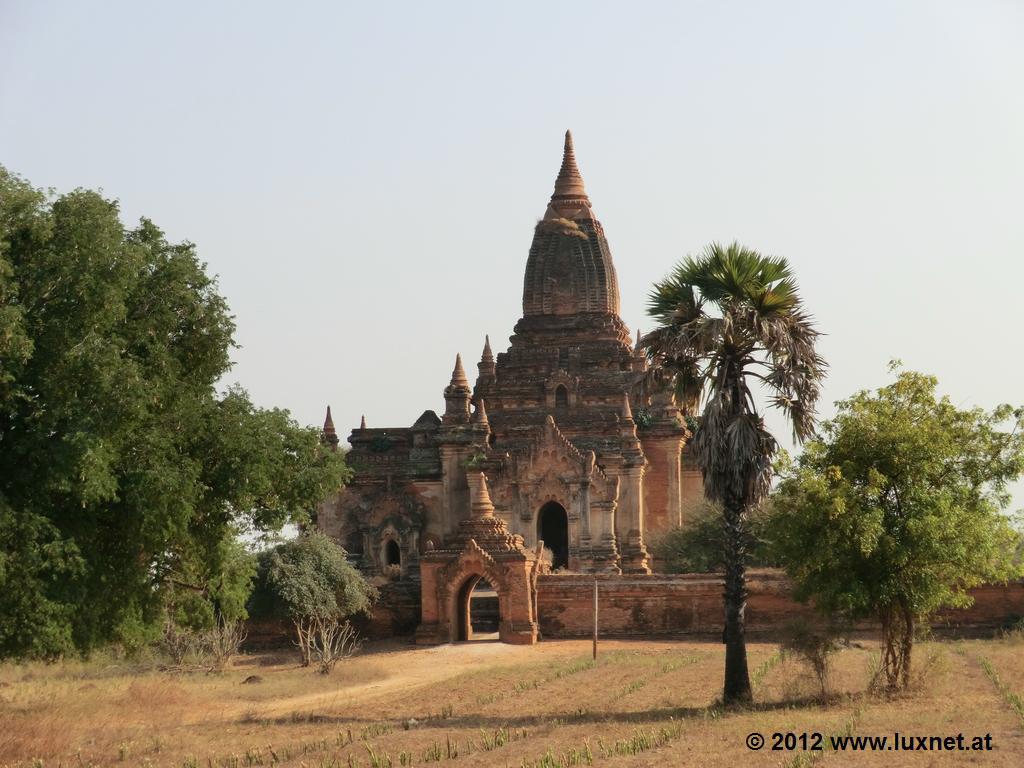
x: 896, y: 509
x: 310, y: 582
x: 727, y: 319
x: 698, y: 545
x: 122, y: 470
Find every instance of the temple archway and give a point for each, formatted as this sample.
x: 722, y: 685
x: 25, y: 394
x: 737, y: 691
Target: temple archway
x: 482, y: 550
x: 392, y: 553
x: 553, y: 530
x: 561, y: 396
x: 477, y: 610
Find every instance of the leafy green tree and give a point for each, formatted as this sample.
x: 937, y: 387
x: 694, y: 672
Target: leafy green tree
x: 309, y: 580
x: 698, y: 545
x: 895, y: 510
x: 122, y: 470
x: 726, y: 319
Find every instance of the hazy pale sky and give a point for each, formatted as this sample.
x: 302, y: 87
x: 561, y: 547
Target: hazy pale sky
x: 364, y: 177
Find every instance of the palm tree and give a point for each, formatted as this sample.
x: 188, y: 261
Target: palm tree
x: 725, y: 318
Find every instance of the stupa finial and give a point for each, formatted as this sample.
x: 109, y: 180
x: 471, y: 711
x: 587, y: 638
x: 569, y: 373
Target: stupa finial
x: 480, y: 414
x: 459, y: 374
x: 481, y: 504
x: 569, y: 184
x: 330, y: 434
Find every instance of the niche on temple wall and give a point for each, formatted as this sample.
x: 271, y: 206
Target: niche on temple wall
x: 561, y: 392
x: 391, y: 554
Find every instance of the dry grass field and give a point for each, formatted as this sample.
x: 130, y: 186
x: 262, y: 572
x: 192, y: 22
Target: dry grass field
x: 643, y: 703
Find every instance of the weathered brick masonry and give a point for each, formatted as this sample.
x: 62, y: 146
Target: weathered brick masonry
x: 650, y: 605
x: 553, y: 469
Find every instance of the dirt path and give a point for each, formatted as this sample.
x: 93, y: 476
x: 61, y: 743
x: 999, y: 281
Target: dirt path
x: 419, y: 667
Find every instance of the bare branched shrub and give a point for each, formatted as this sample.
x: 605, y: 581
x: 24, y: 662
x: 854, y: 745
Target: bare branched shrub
x: 332, y: 640
x: 814, y: 643
x: 179, y: 643
x: 222, y: 642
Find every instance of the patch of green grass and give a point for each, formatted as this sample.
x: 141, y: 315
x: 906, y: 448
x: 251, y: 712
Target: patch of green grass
x: 1009, y: 696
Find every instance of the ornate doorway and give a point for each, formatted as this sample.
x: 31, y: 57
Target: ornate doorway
x: 478, y: 610
x: 553, y: 530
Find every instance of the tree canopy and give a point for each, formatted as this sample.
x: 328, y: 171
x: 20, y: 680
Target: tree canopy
x: 310, y: 577
x: 896, y: 509
x: 123, y: 471
x: 310, y: 582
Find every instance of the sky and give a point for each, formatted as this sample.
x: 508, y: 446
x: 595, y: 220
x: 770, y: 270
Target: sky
x: 364, y: 178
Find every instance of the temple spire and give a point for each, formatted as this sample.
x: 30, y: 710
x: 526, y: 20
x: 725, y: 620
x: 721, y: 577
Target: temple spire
x: 487, y: 356
x: 481, y: 504
x: 627, y: 412
x: 330, y: 434
x: 457, y: 396
x: 459, y: 374
x: 362, y: 422
x: 569, y: 184
x: 480, y: 414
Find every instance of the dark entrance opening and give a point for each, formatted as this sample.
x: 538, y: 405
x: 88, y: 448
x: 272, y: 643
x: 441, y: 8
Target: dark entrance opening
x: 392, y: 553
x: 561, y: 397
x: 478, y: 610
x: 553, y: 529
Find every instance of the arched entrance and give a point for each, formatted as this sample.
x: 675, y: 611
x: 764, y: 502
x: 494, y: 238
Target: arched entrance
x: 478, y: 612
x: 483, y: 549
x: 392, y: 553
x: 561, y: 397
x: 553, y: 530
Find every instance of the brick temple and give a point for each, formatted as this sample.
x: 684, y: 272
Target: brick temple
x: 549, y: 473
x: 568, y: 453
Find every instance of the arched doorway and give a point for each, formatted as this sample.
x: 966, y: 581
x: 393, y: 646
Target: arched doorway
x: 478, y: 611
x: 392, y: 553
x: 553, y: 530
x: 561, y: 397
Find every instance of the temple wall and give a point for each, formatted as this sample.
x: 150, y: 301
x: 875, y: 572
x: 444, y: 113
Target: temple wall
x: 692, y: 491
x: 658, y: 604
x: 680, y: 604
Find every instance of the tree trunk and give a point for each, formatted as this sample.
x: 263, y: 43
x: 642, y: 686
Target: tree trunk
x: 737, y: 677
x: 907, y: 644
x: 898, y: 644
x: 302, y: 632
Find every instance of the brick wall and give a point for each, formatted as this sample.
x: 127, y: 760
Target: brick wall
x: 654, y: 605
x: 692, y: 604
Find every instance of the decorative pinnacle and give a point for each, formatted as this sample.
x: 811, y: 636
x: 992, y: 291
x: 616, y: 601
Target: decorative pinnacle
x: 487, y: 356
x: 330, y: 434
x: 569, y: 184
x: 480, y: 414
x: 627, y: 412
x: 482, y: 505
x: 362, y: 422
x: 459, y: 374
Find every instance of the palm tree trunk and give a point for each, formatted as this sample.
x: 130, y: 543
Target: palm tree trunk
x: 737, y: 677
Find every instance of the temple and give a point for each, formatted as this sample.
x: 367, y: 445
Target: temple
x: 554, y: 456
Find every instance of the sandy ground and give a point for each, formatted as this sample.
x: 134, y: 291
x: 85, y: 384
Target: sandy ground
x: 649, y: 703
x: 411, y: 668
